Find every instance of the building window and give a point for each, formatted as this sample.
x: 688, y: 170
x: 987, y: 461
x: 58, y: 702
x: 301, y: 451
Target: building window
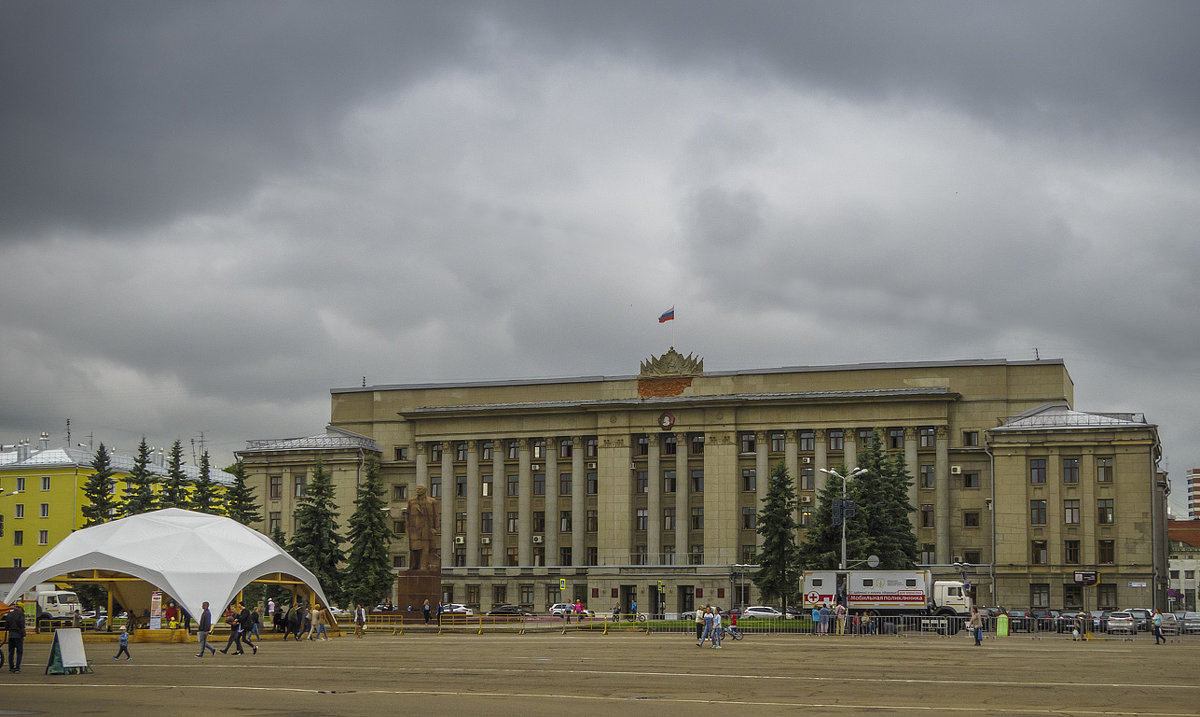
x: 400, y: 492
x: 895, y: 438
x: 274, y: 522
x: 539, y: 484
x: 299, y: 481
x: 698, y: 480
x: 1104, y: 469
x: 928, y: 551
x: 564, y: 521
x: 460, y: 523
x: 698, y: 445
x: 808, y: 440
x: 1041, y: 556
x: 1072, y: 596
x: 1106, y: 596
x: 1106, y: 552
x: 566, y: 448
x: 460, y: 486
x: 593, y: 521
x: 564, y: 556
x: 668, y: 555
x: 45, y: 482
x: 485, y: 486
x: 1037, y: 512
x: 1037, y: 471
x: 928, y: 477
x: 511, y: 557
x: 513, y: 449
x: 1071, y: 552
x: 866, y: 437
x: 837, y: 440
x: 696, y: 555
x: 806, y: 514
x: 485, y: 555
x: 43, y: 537
x: 18, y: 537
x: 460, y: 451
x: 399, y: 561
x: 399, y: 527
x: 778, y: 442
x: 807, y: 479
x: 276, y: 486
x: 460, y: 556
x: 499, y: 594
x: 539, y: 449
x: 669, y: 482
x: 972, y: 557
x: 749, y: 480
x: 971, y: 519
x: 1039, y: 595
x: 399, y: 453
x: 970, y: 439
x: 591, y: 446
x: 435, y: 452
x: 435, y: 486
x: 749, y: 519
x: 593, y: 555
x: 564, y: 484
x: 512, y: 521
x: 20, y: 484
x: 485, y: 521
x: 642, y: 446
x: 670, y: 446
x: 927, y: 515
x: 641, y: 482
x: 593, y: 484
x: 1071, y: 512
x: 748, y: 444
x: 1106, y: 514
x: 697, y: 518
x: 926, y: 437
x: 668, y: 519
x: 513, y: 484
x: 639, y: 555
x: 1070, y: 470
x: 44, y: 510
x: 486, y: 450
x: 19, y: 510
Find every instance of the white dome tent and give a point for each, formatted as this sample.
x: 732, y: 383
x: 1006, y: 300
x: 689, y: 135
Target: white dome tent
x: 193, y: 557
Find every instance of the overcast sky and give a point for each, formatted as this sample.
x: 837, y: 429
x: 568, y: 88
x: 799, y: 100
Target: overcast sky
x: 212, y: 213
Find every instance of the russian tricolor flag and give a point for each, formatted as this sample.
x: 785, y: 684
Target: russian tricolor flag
x: 668, y: 315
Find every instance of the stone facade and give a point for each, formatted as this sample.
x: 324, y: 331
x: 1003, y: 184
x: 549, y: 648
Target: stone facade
x: 611, y: 489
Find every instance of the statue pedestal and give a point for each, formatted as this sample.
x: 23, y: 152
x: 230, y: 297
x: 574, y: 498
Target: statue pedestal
x: 415, y: 587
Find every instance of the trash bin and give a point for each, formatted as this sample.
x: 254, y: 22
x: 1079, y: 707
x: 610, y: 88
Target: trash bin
x: 1002, y: 626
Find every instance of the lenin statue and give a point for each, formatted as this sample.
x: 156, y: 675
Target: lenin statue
x: 424, y: 529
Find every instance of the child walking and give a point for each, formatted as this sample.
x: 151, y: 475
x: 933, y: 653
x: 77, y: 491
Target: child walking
x: 124, y: 643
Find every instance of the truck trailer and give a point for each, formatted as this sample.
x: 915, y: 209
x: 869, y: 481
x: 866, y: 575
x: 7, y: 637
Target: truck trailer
x: 885, y: 592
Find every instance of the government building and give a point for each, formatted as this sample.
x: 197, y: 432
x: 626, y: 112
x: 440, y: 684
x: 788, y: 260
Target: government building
x: 647, y: 487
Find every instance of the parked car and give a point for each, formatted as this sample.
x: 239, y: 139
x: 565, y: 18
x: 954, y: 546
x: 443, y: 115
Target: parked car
x: 796, y: 613
x: 1170, y: 624
x: 1123, y: 621
x: 1190, y: 623
x: 1099, y: 620
x: 1044, y: 620
x: 1066, y: 621
x: 455, y: 608
x: 761, y: 611
x: 1142, y: 617
x: 510, y: 610
x: 1020, y: 620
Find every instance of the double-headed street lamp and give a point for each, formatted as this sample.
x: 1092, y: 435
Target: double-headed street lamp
x: 844, y: 479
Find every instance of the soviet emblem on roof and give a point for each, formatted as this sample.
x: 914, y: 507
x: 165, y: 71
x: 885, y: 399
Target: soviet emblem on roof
x: 672, y: 364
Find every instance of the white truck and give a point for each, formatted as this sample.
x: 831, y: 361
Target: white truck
x: 885, y: 592
x: 57, y: 606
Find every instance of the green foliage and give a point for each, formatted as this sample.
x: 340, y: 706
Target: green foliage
x: 279, y: 538
x: 778, y: 573
x: 240, y: 503
x: 99, y: 490
x: 139, y: 486
x: 316, y: 543
x: 822, y: 545
x: 368, y: 571
x: 205, y: 497
x: 175, y: 493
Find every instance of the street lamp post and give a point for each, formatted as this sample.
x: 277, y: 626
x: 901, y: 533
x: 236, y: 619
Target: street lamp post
x: 844, y: 479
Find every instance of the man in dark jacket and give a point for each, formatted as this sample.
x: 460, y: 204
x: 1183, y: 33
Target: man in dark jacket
x: 203, y: 629
x: 14, y: 622
x: 246, y: 622
x: 294, y: 622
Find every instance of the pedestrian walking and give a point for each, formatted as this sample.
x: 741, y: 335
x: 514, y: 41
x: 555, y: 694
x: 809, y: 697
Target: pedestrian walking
x: 360, y: 621
x: 699, y: 624
x: 976, y: 625
x: 718, y: 628
x: 1158, y: 633
x: 578, y: 610
x: 255, y: 623
x: 708, y: 626
x: 319, y: 620
x: 235, y: 632
x: 246, y: 626
x: 427, y: 612
x: 204, y: 628
x: 14, y: 623
x: 123, y: 643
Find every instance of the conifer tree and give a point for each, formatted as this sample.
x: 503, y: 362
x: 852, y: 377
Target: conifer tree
x: 139, y: 486
x: 100, y: 490
x: 175, y: 492
x: 240, y: 503
x: 279, y: 538
x: 368, y: 569
x: 778, y: 560
x: 821, y: 548
x: 881, y: 525
x: 205, y: 497
x: 316, y: 543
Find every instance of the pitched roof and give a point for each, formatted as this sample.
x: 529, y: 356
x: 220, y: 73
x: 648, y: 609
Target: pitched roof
x: 1053, y: 416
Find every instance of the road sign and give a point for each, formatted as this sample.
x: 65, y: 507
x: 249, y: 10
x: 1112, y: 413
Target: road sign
x: 1088, y: 578
x: 562, y: 583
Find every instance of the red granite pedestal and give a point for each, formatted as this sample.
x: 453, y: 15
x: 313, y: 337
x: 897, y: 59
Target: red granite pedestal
x: 415, y: 587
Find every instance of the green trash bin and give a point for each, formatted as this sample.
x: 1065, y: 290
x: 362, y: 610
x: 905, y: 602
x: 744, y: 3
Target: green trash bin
x: 1002, y: 626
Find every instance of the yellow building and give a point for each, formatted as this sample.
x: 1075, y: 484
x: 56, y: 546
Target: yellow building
x: 43, y: 495
x: 646, y: 487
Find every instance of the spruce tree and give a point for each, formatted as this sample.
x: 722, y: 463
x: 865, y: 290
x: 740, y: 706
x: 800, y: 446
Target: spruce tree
x: 139, y: 486
x: 368, y: 570
x: 777, y: 575
x: 279, y: 538
x: 316, y: 543
x: 240, y: 503
x: 821, y: 548
x: 100, y: 490
x: 175, y: 491
x: 205, y: 497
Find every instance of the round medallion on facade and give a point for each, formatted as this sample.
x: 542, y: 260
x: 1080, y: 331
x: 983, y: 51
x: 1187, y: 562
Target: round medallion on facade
x: 666, y: 421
